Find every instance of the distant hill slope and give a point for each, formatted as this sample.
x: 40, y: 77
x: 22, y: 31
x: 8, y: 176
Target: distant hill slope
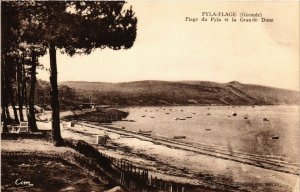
x: 183, y: 93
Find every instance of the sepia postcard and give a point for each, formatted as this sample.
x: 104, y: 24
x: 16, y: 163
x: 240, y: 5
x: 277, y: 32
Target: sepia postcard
x: 174, y: 96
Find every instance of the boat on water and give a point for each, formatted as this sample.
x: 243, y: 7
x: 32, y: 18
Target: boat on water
x: 188, y: 117
x: 179, y: 137
x: 143, y: 115
x: 208, y: 129
x: 146, y: 133
x: 167, y: 113
x: 152, y: 117
x: 179, y: 119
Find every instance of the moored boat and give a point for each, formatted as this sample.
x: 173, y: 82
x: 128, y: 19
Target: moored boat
x: 179, y: 137
x: 147, y: 133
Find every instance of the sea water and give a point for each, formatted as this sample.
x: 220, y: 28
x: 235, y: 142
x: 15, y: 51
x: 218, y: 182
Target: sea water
x: 262, y: 130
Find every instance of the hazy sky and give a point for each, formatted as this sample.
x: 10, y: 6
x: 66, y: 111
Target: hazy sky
x: 169, y: 48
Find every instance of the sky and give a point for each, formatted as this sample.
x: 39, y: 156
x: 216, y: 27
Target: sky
x: 170, y: 48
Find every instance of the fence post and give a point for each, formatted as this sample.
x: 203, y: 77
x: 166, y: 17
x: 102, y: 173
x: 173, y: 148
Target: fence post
x: 147, y: 174
x: 121, y: 178
x: 159, y: 184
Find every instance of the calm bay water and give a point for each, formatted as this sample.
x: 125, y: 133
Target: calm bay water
x: 262, y: 130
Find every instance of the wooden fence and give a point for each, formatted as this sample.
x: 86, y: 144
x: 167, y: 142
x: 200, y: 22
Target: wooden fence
x: 134, y: 177
x: 124, y: 172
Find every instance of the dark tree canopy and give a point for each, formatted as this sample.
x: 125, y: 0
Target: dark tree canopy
x: 80, y: 27
x: 72, y: 27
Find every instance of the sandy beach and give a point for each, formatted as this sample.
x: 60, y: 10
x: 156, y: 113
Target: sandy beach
x: 204, y: 165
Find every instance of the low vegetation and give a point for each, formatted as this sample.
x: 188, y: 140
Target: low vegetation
x: 143, y: 93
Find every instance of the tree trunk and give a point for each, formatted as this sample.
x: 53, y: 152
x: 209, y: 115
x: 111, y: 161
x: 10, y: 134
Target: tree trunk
x: 4, y: 115
x: 4, y: 119
x: 19, y: 83
x: 25, y: 91
x: 12, y: 102
x: 7, y: 115
x: 31, y: 120
x: 54, y: 98
x: 8, y: 90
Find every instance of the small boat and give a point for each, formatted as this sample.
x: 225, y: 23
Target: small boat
x: 152, y: 117
x: 167, y: 113
x: 194, y: 113
x: 208, y: 129
x: 208, y: 114
x: 131, y: 120
x: 181, y: 119
x: 179, y: 137
x: 143, y: 115
x: 265, y: 119
x: 188, y: 117
x: 275, y: 137
x: 181, y: 110
x: 147, y: 133
x: 122, y: 127
x: 245, y: 117
x: 234, y: 114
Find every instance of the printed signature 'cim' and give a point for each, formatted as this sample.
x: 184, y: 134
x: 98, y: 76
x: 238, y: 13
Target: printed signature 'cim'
x: 20, y: 182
